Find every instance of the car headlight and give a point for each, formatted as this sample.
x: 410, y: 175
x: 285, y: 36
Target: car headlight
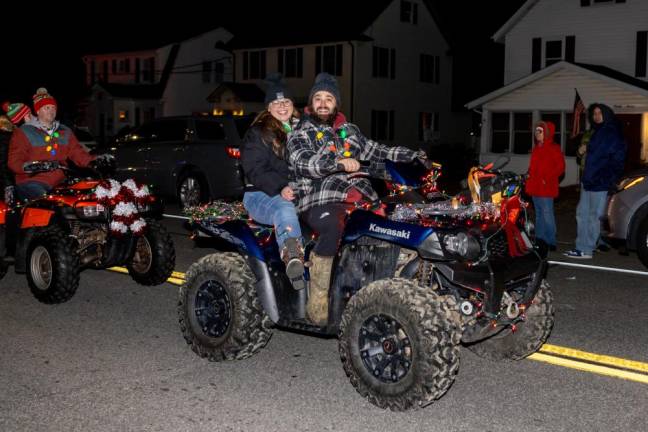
x: 90, y: 210
x: 463, y: 245
x: 629, y: 182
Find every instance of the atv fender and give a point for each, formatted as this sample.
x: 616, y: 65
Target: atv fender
x: 36, y: 217
x: 238, y: 235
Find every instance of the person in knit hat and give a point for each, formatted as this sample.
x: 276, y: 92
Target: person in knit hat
x: 268, y: 197
x: 324, y: 151
x: 7, y: 127
x: 17, y: 112
x: 44, y: 138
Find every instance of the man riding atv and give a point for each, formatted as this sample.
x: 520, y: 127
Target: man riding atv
x: 324, y: 153
x: 45, y: 139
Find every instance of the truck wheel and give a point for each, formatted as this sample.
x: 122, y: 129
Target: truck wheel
x: 154, y: 257
x: 219, y: 311
x: 52, y: 266
x: 399, y: 343
x: 642, y: 242
x: 529, y: 335
x: 192, y: 190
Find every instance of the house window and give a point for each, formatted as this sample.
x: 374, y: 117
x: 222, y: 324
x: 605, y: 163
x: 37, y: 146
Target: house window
x: 589, y: 2
x: 328, y: 58
x: 553, y: 52
x: 408, y: 12
x: 382, y: 125
x: 206, y: 71
x: 219, y: 71
x: 148, y: 72
x: 114, y: 67
x: 291, y: 62
x: 522, y: 133
x: 93, y: 72
x: 430, y: 68
x: 501, y: 132
x: 124, y: 66
x: 428, y: 130
x: 642, y: 54
x: 384, y: 63
x: 105, y: 71
x: 123, y: 116
x: 254, y: 64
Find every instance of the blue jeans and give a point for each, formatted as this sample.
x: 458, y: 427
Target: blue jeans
x: 591, y: 207
x: 545, y: 225
x: 273, y: 211
x: 31, y: 190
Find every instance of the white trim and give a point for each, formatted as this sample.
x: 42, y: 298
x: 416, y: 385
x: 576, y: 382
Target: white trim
x: 548, y: 71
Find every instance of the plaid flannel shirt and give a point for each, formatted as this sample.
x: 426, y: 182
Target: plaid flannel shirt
x: 314, y: 152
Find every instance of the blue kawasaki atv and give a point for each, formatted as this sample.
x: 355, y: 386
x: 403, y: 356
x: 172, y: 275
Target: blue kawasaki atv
x: 406, y: 290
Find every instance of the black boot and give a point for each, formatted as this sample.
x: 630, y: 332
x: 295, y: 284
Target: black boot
x: 292, y: 254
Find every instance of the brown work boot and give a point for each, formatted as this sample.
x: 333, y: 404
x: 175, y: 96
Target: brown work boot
x: 292, y: 254
x: 320, y: 280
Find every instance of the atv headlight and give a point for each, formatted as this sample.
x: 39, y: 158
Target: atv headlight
x: 431, y: 247
x: 90, y: 210
x: 462, y: 244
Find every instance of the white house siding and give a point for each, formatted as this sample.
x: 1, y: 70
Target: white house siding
x: 300, y: 87
x: 406, y: 95
x: 185, y: 91
x: 605, y: 33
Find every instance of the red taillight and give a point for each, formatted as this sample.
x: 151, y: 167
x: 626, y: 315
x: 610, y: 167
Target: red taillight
x: 233, y: 152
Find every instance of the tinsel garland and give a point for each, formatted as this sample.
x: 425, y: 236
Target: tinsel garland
x: 216, y: 211
x: 122, y: 199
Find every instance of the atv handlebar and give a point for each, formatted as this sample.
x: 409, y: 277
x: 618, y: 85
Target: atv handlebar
x: 35, y: 167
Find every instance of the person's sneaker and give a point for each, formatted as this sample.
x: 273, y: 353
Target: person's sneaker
x: 575, y: 253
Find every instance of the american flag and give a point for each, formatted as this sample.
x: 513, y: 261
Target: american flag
x: 579, y: 108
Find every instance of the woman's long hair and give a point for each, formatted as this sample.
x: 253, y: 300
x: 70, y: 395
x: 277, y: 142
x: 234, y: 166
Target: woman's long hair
x: 273, y: 132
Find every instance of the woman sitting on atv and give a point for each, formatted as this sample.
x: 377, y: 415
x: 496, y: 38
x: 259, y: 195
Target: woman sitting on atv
x: 268, y: 197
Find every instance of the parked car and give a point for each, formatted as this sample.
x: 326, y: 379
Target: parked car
x: 193, y: 159
x: 85, y: 138
x: 626, y: 219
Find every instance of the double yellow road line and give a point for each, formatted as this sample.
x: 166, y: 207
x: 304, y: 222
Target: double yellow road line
x: 553, y: 354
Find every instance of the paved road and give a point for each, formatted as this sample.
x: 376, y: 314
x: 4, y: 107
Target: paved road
x: 113, y: 359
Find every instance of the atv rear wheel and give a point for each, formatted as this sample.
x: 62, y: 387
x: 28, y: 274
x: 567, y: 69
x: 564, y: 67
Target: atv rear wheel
x: 154, y: 258
x: 219, y: 311
x: 399, y: 343
x: 529, y: 335
x: 52, y: 266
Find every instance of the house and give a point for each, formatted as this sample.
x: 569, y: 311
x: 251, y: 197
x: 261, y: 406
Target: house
x: 128, y: 88
x: 554, y: 48
x: 125, y: 88
x: 391, y: 62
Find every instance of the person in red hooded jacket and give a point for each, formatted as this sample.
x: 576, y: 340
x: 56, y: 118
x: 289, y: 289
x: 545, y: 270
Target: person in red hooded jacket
x: 546, y: 166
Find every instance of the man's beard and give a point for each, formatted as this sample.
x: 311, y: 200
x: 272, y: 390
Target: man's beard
x: 327, y: 119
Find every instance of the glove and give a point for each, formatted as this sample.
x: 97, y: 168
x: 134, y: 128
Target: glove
x: 9, y: 195
x: 421, y: 156
x: 104, y: 163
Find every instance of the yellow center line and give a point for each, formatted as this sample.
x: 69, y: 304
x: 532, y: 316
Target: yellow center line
x: 595, y: 358
x: 587, y: 367
x: 176, y: 278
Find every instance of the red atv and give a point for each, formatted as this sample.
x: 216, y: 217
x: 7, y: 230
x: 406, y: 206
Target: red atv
x: 84, y: 223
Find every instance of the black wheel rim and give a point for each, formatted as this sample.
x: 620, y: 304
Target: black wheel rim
x: 213, y: 309
x: 385, y: 348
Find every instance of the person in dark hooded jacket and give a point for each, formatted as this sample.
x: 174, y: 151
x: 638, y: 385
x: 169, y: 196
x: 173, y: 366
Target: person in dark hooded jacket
x: 606, y: 152
x: 546, y: 165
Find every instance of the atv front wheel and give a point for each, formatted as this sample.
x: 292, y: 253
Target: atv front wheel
x: 52, y: 266
x: 219, y: 311
x: 529, y: 335
x: 154, y: 257
x: 399, y: 343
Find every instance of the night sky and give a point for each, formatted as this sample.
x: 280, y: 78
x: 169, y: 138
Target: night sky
x: 46, y: 51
